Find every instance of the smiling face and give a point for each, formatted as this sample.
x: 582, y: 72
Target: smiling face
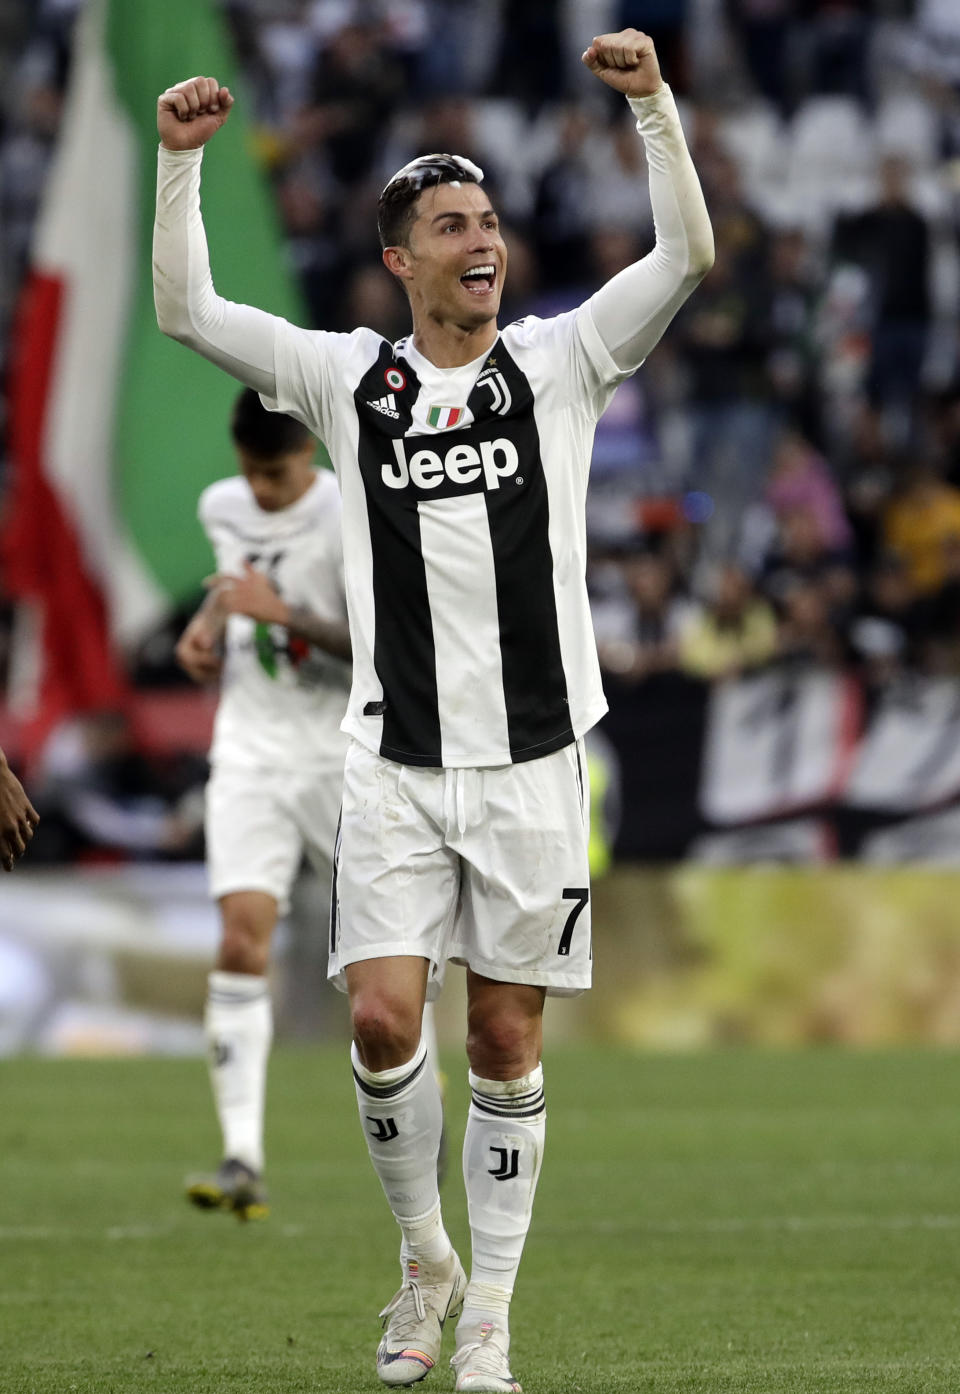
x: 454, y: 262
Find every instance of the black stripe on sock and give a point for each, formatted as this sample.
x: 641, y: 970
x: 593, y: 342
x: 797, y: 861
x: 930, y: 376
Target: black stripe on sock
x: 485, y: 1105
x: 388, y: 1091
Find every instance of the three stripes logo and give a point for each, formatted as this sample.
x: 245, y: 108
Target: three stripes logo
x: 386, y: 406
x: 508, y: 1165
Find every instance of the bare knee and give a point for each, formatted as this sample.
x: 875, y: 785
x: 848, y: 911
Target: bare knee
x: 386, y: 1029
x: 247, y: 929
x: 503, y: 1043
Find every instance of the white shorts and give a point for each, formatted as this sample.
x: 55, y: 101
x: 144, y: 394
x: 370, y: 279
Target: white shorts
x: 487, y: 867
x: 259, y: 824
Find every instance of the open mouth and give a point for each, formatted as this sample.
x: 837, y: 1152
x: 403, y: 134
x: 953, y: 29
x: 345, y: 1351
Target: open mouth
x: 479, y: 280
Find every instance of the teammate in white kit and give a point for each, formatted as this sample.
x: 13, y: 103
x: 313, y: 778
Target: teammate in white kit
x: 277, y: 613
x: 462, y: 454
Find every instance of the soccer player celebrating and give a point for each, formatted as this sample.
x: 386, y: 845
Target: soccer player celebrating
x: 462, y: 454
x: 274, y: 628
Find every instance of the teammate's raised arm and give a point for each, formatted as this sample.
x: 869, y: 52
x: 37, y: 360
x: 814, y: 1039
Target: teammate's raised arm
x: 633, y: 309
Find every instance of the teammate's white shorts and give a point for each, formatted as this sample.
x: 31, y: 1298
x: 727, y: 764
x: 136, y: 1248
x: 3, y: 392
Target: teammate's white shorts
x: 259, y: 824
x: 487, y: 867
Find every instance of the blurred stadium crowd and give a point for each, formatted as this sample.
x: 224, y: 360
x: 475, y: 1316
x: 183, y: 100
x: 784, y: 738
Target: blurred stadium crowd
x: 778, y: 491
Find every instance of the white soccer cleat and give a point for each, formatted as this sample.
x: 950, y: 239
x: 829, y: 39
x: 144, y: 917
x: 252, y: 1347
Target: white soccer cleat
x: 414, y: 1319
x: 482, y: 1362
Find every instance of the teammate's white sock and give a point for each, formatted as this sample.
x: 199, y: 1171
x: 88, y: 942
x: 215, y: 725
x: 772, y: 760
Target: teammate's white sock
x: 239, y: 1026
x: 502, y: 1153
x: 402, y: 1116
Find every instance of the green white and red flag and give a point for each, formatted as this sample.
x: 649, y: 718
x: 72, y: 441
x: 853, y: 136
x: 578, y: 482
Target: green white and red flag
x: 114, y: 429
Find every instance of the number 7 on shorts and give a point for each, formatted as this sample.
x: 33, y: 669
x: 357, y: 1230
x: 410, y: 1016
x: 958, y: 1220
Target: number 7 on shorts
x: 580, y: 896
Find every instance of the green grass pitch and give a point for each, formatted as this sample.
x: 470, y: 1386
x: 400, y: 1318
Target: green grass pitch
x: 729, y: 1221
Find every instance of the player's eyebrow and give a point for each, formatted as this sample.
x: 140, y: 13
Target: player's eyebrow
x: 459, y: 213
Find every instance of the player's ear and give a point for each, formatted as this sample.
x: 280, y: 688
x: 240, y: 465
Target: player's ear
x: 397, y: 261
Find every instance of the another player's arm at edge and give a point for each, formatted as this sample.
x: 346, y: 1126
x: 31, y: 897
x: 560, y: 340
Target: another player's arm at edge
x: 18, y: 817
x: 631, y: 312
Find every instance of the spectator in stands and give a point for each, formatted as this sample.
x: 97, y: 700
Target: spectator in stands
x: 885, y: 631
x: 723, y: 340
x: 357, y: 85
x: 891, y: 242
x: 732, y: 630
x: 869, y: 471
x: 920, y: 517
x: 806, y: 630
x: 764, y: 29
x: 793, y: 293
x: 651, y: 620
x: 801, y: 479
x: 561, y: 216
x: 530, y: 63
x: 940, y: 614
x: 801, y: 555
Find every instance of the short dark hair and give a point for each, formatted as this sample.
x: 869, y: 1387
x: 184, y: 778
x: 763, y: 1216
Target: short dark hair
x: 396, y: 207
x: 265, y: 434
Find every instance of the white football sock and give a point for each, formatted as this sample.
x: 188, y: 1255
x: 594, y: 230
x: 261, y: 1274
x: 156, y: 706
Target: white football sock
x: 239, y: 1027
x: 502, y: 1153
x: 402, y: 1116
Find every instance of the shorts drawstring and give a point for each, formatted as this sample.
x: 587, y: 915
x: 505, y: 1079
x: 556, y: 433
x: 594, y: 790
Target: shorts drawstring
x: 455, y: 798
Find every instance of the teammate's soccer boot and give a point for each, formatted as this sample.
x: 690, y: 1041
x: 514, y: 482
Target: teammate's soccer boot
x: 481, y: 1361
x: 234, y: 1186
x: 414, y: 1319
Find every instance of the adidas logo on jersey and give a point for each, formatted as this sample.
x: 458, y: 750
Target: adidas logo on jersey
x: 492, y: 460
x: 386, y: 406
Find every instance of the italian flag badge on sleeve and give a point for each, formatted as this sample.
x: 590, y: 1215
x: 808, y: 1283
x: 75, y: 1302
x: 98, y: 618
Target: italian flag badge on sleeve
x: 442, y: 418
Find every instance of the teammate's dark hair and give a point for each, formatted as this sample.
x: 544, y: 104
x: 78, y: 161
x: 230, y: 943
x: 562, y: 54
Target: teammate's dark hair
x: 396, y: 207
x: 263, y: 433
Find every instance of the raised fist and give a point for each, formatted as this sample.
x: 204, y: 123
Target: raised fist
x: 191, y: 112
x: 627, y: 62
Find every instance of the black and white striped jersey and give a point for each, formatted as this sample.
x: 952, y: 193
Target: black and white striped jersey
x: 463, y: 489
x: 463, y: 534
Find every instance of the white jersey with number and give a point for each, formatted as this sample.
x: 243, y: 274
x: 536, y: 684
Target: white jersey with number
x: 282, y: 700
x: 464, y: 534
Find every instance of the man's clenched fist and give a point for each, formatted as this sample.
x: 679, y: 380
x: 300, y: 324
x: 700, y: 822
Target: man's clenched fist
x: 191, y: 112
x: 627, y: 62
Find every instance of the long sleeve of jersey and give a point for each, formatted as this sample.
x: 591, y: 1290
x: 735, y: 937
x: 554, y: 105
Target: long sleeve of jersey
x: 629, y: 313
x: 633, y: 309
x: 238, y: 338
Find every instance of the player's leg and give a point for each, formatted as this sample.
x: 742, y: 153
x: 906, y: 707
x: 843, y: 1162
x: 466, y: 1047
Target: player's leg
x: 523, y: 930
x: 502, y: 1154
x: 395, y: 889
x: 428, y: 1030
x: 402, y: 1114
x: 253, y: 850
x: 238, y: 1022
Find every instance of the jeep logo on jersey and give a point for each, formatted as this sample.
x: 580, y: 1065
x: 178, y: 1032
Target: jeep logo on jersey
x: 492, y: 461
